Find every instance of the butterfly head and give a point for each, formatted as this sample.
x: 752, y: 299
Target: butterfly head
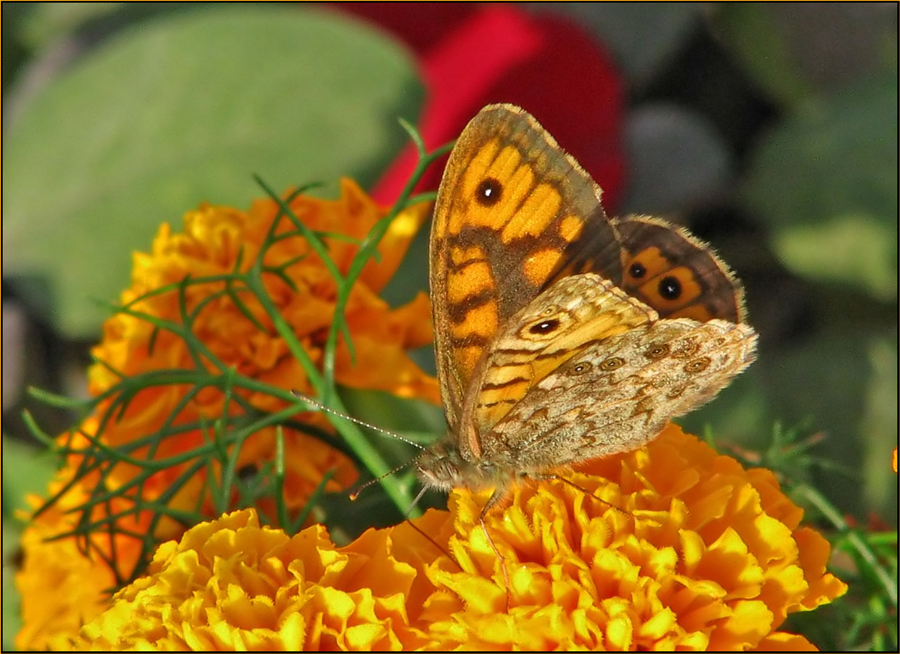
x: 442, y: 467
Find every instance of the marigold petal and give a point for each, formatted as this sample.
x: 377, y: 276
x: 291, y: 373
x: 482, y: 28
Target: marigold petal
x: 749, y: 622
x: 814, y: 552
x: 393, y: 246
x: 619, y: 634
x: 779, y: 641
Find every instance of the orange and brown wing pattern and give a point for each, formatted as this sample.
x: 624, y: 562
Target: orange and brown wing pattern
x: 512, y: 215
x: 676, y: 273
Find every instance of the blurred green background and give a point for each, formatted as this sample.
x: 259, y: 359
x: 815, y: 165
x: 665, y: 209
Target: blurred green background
x: 770, y: 129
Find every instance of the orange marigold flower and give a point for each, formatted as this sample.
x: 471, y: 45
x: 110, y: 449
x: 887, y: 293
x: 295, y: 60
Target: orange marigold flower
x: 708, y: 556
x: 221, y: 240
x: 217, y: 238
x: 240, y: 336
x: 700, y: 554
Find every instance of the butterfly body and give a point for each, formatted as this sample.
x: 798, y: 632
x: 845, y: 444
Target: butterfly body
x: 562, y: 335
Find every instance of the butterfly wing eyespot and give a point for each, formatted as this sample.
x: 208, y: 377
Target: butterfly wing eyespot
x: 545, y: 327
x: 698, y: 365
x: 579, y: 368
x: 670, y: 288
x: 612, y: 363
x: 635, y: 271
x: 488, y: 192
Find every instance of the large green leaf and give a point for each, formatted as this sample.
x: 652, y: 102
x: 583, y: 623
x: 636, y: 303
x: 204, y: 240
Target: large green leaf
x: 180, y: 110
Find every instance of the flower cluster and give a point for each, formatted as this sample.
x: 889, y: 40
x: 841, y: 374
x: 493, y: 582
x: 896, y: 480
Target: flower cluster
x: 235, y: 333
x: 669, y: 547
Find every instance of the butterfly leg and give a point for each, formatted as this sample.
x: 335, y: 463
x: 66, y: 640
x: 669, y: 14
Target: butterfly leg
x: 496, y: 498
x: 437, y: 545
x: 550, y: 476
x: 499, y: 556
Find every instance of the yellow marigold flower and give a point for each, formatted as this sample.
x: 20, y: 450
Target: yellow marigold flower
x: 700, y: 554
x: 61, y: 587
x: 217, y: 241
x: 231, y: 584
x: 708, y: 556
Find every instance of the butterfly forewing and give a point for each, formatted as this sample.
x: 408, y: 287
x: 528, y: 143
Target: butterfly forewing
x: 512, y: 211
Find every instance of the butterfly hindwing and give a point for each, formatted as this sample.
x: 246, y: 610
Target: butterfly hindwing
x: 676, y: 273
x: 616, y: 395
x: 575, y: 313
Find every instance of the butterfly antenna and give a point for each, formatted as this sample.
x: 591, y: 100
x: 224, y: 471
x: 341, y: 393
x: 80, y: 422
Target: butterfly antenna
x: 355, y: 494
x: 361, y: 423
x: 413, y: 505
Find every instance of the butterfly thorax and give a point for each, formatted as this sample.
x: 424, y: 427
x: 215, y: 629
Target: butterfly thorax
x: 443, y: 467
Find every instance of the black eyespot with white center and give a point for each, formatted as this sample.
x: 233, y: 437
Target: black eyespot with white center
x: 670, y: 288
x: 489, y: 192
x: 578, y: 368
x: 545, y: 327
x: 637, y: 270
x: 698, y: 365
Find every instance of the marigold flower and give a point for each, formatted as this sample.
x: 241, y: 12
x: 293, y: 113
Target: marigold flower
x: 61, y: 585
x: 231, y: 584
x: 673, y: 547
x: 218, y: 241
x: 691, y: 552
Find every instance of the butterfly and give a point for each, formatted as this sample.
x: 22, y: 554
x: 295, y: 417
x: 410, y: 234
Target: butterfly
x: 562, y: 334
